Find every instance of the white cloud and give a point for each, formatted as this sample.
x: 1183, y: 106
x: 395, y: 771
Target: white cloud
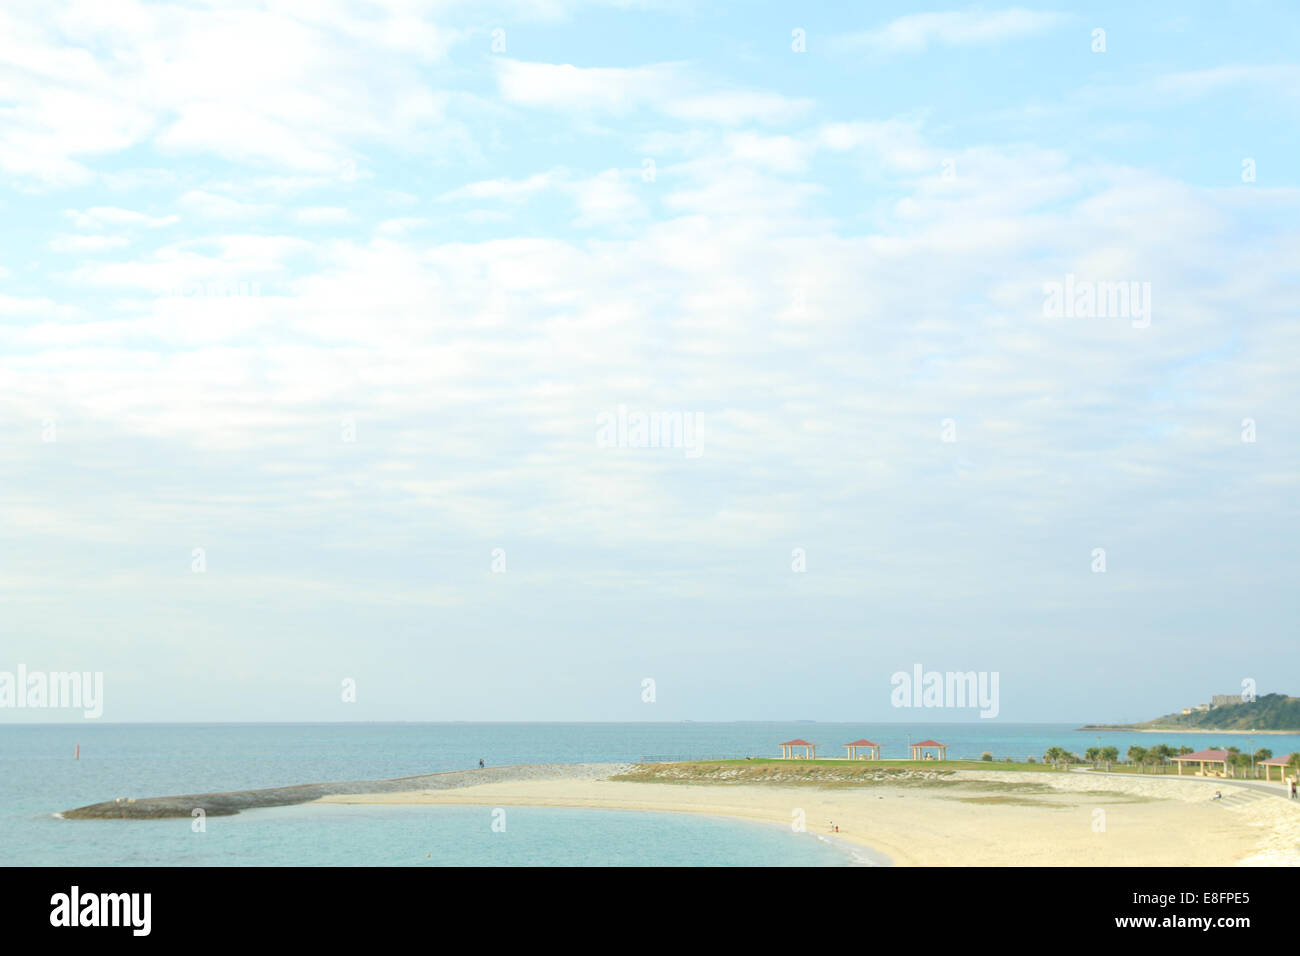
x: 81, y: 243
x: 506, y: 189
x: 39, y: 308
x: 237, y: 80
x: 323, y: 215
x: 668, y: 88
x: 732, y: 108
x: 208, y: 205
x: 401, y: 225
x: 610, y: 197
x: 567, y: 87
x: 782, y: 154
x: 99, y: 217
x: 914, y: 33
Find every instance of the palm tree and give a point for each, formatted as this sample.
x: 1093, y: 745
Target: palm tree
x: 1162, y: 753
x: 1092, y: 754
x: 1262, y: 754
x: 1110, y: 755
x: 1234, y: 760
x: 1137, y: 755
x: 1055, y: 756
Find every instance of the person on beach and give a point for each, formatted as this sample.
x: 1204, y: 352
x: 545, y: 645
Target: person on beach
x: 480, y: 763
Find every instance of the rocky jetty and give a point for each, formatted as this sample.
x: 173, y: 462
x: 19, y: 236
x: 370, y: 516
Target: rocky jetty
x: 227, y: 804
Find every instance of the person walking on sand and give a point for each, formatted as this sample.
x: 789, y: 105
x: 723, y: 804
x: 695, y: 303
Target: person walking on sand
x: 480, y: 763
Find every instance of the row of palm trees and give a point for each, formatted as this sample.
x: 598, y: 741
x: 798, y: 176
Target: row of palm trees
x: 1161, y: 755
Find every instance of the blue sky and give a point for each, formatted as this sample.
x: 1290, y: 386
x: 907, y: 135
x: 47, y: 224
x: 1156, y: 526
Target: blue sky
x: 338, y: 292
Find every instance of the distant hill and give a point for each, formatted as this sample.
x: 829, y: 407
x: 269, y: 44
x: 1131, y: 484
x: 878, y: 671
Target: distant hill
x: 1275, y: 712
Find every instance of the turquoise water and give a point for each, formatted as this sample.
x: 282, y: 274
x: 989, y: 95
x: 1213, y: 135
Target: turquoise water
x: 336, y: 835
x: 39, y: 777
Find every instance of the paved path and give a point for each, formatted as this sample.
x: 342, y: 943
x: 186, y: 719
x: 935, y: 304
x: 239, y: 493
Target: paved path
x: 1272, y: 789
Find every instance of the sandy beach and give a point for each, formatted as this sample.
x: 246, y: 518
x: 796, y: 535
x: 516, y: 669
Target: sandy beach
x: 995, y: 818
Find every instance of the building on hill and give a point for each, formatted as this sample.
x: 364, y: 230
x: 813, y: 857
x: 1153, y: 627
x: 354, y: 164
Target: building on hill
x: 1225, y: 700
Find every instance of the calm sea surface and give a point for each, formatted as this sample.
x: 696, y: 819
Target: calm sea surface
x: 39, y: 777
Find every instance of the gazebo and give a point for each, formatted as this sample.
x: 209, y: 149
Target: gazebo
x: 788, y: 748
x: 918, y: 750
x: 1279, y: 762
x: 873, y: 750
x: 1202, y: 757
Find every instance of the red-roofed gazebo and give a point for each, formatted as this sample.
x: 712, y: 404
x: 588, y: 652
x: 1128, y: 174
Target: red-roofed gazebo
x: 1280, y: 763
x: 872, y: 748
x: 1202, y: 757
x: 790, y: 746
x: 918, y: 750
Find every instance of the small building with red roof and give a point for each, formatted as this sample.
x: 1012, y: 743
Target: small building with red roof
x: 1279, y: 762
x: 790, y: 746
x: 1216, y: 760
x: 873, y: 749
x: 919, y: 750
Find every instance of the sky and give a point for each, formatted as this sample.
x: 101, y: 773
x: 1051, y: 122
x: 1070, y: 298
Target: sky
x: 328, y: 331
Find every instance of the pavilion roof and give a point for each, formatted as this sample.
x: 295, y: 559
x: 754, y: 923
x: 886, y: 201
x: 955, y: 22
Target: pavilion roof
x: 797, y: 742
x: 1278, y: 761
x: 928, y: 743
x: 1204, y: 755
x: 863, y: 743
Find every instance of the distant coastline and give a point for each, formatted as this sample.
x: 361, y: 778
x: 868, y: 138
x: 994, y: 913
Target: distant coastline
x: 1139, y: 729
x: 1224, y: 714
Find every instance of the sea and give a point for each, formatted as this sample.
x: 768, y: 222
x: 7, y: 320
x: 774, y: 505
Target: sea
x: 48, y: 768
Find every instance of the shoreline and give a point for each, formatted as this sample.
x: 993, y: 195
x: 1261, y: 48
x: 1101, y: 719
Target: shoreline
x: 972, y: 818
x: 957, y: 817
x: 1120, y: 729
